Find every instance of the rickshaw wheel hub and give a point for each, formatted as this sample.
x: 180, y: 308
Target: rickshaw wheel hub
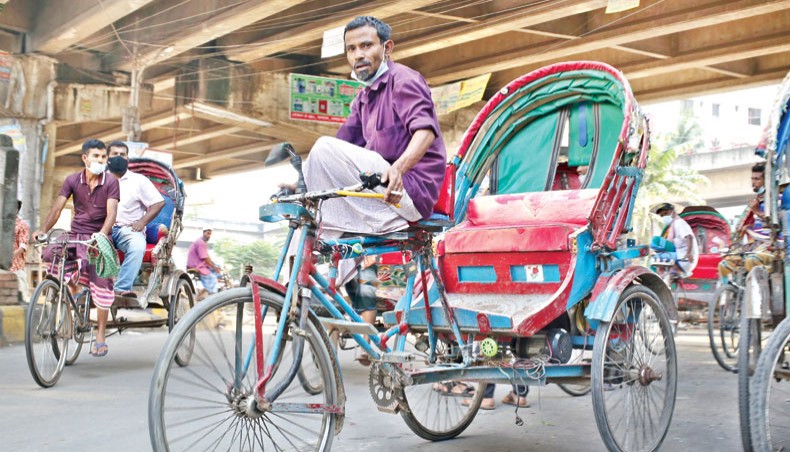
x: 647, y: 375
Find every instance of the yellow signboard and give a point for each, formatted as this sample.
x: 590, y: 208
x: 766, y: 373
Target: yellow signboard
x: 458, y: 95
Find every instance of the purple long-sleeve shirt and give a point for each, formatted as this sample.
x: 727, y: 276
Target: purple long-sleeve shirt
x: 384, y: 118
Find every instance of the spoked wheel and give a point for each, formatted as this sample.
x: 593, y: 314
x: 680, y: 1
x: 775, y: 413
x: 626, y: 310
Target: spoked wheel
x: 579, y: 356
x: 724, y: 318
x: 770, y: 406
x: 47, y: 334
x: 310, y: 374
x: 634, y: 373
x: 180, y: 303
x: 77, y: 333
x: 210, y: 403
x: 435, y: 411
x: 756, y: 289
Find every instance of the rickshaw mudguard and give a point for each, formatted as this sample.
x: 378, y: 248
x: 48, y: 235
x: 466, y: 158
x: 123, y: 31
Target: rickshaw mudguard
x: 169, y: 287
x: 609, y: 287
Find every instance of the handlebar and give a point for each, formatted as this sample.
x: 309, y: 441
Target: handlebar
x: 368, y: 181
x: 54, y: 235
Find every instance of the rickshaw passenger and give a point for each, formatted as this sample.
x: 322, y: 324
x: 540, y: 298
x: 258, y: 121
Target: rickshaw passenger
x: 199, y: 260
x: 756, y: 233
x: 393, y: 130
x: 140, y: 203
x: 95, y: 195
x: 684, y: 250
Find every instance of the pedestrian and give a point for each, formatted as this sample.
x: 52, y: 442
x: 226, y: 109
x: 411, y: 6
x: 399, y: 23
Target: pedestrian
x: 18, y: 262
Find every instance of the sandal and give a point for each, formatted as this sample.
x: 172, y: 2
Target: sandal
x: 99, y: 349
x: 485, y: 404
x: 510, y: 399
x: 454, y: 389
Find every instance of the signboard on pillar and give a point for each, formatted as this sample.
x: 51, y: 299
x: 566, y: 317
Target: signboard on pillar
x: 321, y: 99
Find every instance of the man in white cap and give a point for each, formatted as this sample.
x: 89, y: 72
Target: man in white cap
x: 199, y: 260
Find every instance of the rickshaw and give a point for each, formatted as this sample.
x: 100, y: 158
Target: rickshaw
x: 764, y: 366
x: 58, y: 324
x: 525, y: 278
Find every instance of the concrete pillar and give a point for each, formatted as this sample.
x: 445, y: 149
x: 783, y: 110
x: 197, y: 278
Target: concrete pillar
x: 9, y: 170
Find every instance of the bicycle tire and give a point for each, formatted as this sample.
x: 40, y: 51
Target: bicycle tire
x: 723, y: 307
x: 770, y: 382
x: 749, y: 351
x: 205, y: 384
x: 44, y: 335
x: 180, y: 303
x: 615, y: 373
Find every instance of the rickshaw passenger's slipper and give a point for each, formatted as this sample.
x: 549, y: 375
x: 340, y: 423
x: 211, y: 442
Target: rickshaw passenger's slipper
x: 510, y: 399
x: 363, y: 359
x: 453, y: 389
x: 99, y: 349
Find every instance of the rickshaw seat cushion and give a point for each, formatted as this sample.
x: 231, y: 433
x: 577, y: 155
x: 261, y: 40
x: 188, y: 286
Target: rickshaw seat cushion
x: 524, y: 209
x: 146, y: 255
x: 526, y: 238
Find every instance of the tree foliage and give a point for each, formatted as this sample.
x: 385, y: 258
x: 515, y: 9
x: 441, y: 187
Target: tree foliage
x: 260, y: 254
x: 664, y: 181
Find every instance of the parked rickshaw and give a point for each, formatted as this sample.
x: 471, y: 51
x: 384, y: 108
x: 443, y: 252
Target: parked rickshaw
x: 764, y: 365
x: 525, y: 277
x: 58, y: 323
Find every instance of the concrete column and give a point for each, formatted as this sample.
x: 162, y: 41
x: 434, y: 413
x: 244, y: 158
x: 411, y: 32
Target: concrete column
x: 9, y: 169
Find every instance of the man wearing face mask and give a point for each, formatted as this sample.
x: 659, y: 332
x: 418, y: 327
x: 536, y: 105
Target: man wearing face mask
x: 140, y: 203
x: 393, y: 130
x: 95, y: 195
x: 751, y: 231
x: 680, y: 234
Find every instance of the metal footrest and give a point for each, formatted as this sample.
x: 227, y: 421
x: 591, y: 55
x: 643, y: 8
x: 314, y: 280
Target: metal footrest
x: 398, y: 357
x: 346, y: 326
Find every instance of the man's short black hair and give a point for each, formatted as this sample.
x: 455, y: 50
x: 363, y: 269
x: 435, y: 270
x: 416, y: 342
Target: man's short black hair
x: 118, y: 144
x: 382, y: 29
x: 759, y: 168
x: 93, y: 143
x: 18, y: 205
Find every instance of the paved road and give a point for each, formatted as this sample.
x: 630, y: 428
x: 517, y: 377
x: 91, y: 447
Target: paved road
x: 100, y: 405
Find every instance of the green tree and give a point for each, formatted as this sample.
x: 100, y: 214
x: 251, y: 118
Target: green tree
x: 663, y: 181
x: 686, y: 138
x: 260, y: 254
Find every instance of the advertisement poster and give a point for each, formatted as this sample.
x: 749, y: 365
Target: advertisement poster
x: 458, y: 95
x: 321, y: 99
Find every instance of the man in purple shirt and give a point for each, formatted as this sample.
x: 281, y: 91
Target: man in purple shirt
x: 392, y: 130
x: 95, y: 195
x: 199, y: 260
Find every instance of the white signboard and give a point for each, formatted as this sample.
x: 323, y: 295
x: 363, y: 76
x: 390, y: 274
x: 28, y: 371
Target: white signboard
x: 333, y: 42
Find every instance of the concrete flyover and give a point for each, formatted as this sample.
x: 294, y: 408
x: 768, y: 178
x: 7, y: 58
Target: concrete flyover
x: 729, y: 172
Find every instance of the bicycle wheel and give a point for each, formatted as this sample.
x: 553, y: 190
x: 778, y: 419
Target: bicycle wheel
x: 180, y: 303
x: 634, y: 373
x: 575, y: 390
x: 77, y: 333
x: 47, y: 334
x: 435, y: 414
x: 724, y: 325
x: 770, y: 425
x: 756, y: 289
x: 209, y: 404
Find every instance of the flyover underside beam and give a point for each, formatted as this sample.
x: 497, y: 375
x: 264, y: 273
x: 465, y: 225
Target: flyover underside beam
x: 638, y: 30
x: 61, y: 23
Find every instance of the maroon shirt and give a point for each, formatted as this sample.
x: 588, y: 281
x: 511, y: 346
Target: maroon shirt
x: 90, y: 209
x: 384, y: 117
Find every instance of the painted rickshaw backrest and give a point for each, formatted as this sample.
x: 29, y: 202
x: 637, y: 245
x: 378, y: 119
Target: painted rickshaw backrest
x: 170, y: 187
x: 537, y: 134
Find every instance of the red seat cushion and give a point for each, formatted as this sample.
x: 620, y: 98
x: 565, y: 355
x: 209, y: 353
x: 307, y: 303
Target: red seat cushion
x: 146, y: 255
x: 542, y: 237
x: 523, y: 209
x: 707, y: 267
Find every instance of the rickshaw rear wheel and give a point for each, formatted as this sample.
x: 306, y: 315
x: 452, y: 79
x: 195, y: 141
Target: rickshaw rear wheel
x: 436, y: 412
x: 770, y: 425
x: 77, y: 334
x: 46, y: 334
x: 634, y: 373
x: 180, y: 303
x: 750, y: 346
x: 724, y: 316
